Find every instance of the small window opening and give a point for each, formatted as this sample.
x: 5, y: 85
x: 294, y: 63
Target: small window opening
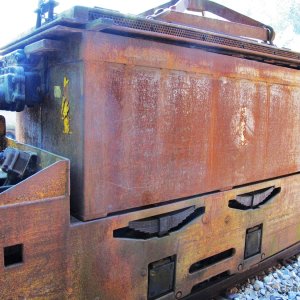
x: 13, y: 255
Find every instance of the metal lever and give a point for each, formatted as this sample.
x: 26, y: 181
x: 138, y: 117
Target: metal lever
x: 249, y: 27
x: 20, y: 84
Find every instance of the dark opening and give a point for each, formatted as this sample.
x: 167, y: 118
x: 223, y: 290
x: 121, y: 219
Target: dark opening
x: 130, y: 233
x: 161, y: 277
x: 247, y: 201
x: 13, y: 255
x: 211, y: 281
x: 253, y: 241
x: 209, y: 261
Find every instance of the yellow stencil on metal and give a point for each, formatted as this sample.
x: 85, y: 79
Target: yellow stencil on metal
x: 66, y: 81
x: 65, y: 107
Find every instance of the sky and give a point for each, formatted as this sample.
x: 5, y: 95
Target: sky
x: 17, y: 16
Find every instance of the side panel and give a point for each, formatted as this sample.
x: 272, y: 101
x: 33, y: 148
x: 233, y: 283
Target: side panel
x: 151, y: 122
x: 34, y: 224
x: 106, y: 267
x: 56, y: 125
x: 164, y: 122
x: 40, y: 227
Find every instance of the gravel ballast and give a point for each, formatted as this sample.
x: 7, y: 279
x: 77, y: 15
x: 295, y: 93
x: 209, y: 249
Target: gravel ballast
x: 281, y: 282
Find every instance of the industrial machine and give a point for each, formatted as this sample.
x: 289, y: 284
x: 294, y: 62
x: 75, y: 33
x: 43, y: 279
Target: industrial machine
x: 157, y: 156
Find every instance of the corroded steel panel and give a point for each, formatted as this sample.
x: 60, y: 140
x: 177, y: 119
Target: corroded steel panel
x: 85, y: 260
x: 283, y: 151
x: 177, y: 122
x: 220, y: 228
x: 239, y: 135
x: 150, y: 122
x: 166, y: 141
x: 35, y: 214
x: 230, y: 28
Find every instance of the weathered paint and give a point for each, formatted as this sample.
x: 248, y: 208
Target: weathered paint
x: 82, y: 260
x: 153, y: 122
x: 65, y: 107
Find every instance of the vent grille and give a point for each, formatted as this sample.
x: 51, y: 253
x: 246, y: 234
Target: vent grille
x: 152, y: 26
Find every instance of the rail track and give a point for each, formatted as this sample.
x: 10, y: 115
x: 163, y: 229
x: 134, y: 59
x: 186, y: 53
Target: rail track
x: 242, y: 285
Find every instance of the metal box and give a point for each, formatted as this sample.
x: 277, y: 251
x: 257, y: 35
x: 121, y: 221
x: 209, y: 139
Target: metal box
x: 150, y: 121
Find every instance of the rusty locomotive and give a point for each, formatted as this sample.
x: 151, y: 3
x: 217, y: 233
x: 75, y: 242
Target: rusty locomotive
x: 157, y: 156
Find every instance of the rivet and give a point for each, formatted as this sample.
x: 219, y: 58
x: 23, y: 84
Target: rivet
x: 227, y: 219
x: 144, y: 273
x: 240, y: 267
x: 205, y: 220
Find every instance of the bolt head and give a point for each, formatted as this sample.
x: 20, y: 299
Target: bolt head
x: 178, y: 295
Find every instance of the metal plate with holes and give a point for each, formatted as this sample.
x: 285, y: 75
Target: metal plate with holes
x: 79, y: 16
x: 187, y: 32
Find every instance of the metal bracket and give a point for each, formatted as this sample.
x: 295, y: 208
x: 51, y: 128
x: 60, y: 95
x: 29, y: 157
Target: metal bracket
x: 45, y: 12
x: 43, y: 46
x: 19, y: 84
x: 255, y: 28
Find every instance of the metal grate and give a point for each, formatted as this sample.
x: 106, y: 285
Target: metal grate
x: 152, y: 26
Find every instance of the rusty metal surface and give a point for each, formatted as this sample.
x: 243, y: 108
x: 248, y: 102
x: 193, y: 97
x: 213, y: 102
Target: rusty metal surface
x: 218, y: 288
x: 152, y: 122
x: 50, y: 181
x: 217, y: 9
x: 82, y: 260
x: 52, y: 31
x: 35, y: 214
x: 169, y: 116
x: 152, y: 129
x: 70, y: 21
x: 240, y: 24
x: 184, y: 33
x: 97, y: 257
x: 67, y: 145
x: 214, y: 25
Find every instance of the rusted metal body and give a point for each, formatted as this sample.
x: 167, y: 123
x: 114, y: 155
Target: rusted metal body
x: 242, y: 26
x: 34, y: 214
x: 82, y: 260
x: 184, y: 159
x: 152, y: 122
x: 213, y: 25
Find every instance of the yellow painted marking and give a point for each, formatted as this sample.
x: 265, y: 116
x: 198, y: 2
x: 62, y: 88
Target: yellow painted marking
x: 65, y: 107
x: 66, y: 81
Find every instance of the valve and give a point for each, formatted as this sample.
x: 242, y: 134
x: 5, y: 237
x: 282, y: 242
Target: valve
x: 19, y: 85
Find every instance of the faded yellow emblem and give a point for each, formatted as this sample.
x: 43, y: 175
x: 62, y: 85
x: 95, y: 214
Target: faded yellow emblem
x: 65, y: 107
